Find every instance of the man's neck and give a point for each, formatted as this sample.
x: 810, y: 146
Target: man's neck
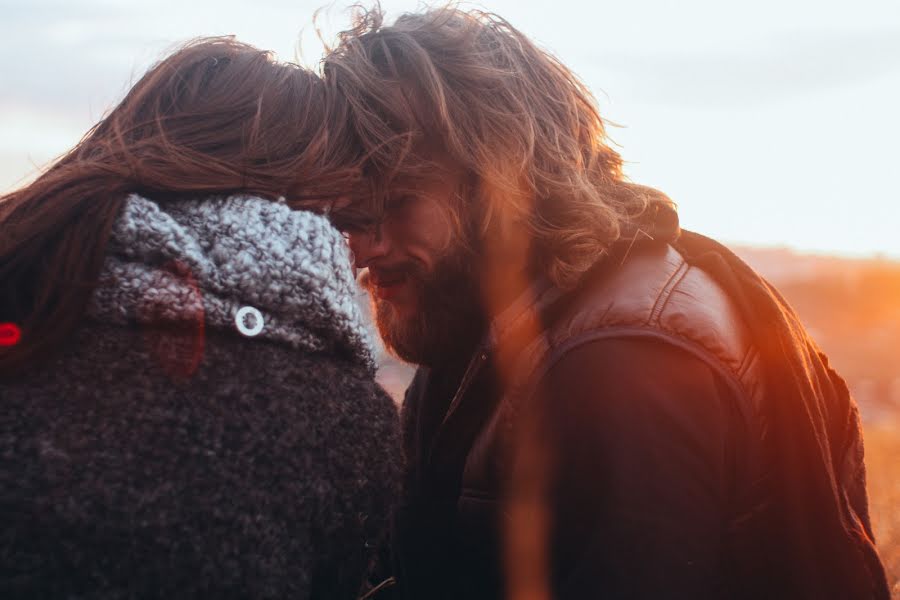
x: 502, y: 284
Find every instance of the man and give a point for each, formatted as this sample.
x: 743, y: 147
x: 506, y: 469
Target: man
x: 605, y: 406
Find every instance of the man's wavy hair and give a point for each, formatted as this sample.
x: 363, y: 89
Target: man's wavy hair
x: 469, y: 87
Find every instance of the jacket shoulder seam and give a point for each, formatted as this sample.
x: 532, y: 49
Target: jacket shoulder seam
x: 554, y: 355
x: 663, y: 297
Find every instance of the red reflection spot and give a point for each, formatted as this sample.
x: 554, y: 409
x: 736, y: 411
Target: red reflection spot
x: 10, y: 334
x: 178, y: 349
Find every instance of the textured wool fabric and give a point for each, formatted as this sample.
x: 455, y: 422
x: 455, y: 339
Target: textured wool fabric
x: 164, y: 454
x: 291, y: 265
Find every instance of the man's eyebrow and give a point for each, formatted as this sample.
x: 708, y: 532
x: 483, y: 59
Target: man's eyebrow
x: 405, y: 188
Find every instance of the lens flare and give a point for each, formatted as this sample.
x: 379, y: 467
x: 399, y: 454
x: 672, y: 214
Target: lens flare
x: 178, y: 350
x: 10, y: 334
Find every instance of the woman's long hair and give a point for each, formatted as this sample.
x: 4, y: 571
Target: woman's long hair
x: 216, y: 117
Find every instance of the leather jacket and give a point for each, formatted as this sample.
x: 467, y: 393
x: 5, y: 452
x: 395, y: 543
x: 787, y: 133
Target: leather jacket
x: 461, y: 426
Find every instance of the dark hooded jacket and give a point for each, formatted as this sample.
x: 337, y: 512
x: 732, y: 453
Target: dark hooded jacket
x: 671, y: 431
x: 212, y: 429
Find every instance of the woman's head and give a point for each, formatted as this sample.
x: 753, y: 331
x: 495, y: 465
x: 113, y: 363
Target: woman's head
x: 215, y: 117
x: 220, y: 116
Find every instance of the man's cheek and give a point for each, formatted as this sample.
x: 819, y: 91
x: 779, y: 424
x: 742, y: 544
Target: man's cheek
x: 404, y: 307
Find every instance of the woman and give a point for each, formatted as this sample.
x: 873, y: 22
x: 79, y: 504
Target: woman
x: 190, y: 409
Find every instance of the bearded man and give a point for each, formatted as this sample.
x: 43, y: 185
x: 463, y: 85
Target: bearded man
x: 605, y: 405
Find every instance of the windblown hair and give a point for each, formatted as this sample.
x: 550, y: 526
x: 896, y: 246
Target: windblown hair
x: 469, y: 88
x: 217, y: 117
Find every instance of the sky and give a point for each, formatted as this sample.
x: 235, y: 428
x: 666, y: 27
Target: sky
x: 771, y: 122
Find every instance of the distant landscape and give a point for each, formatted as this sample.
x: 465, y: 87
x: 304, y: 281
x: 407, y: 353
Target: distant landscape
x: 852, y: 309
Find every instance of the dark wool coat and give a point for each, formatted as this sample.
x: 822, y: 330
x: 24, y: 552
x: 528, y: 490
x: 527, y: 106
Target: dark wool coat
x: 163, y: 453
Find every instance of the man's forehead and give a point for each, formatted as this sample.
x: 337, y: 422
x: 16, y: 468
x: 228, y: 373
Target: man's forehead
x: 434, y: 181
x: 428, y: 168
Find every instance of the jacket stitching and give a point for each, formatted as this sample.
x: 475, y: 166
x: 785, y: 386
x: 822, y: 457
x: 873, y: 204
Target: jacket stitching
x: 664, y: 295
x: 747, y: 362
x: 551, y: 358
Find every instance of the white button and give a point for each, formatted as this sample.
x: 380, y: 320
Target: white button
x: 241, y: 321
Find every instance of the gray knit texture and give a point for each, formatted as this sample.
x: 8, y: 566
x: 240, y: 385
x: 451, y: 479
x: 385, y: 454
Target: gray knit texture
x: 208, y: 258
x: 162, y: 454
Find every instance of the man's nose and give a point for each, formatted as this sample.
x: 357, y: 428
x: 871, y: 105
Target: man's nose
x: 367, y: 246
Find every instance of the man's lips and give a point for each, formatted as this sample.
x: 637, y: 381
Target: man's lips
x: 386, y: 285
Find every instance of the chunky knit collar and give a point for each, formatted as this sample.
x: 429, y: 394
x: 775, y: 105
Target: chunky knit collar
x: 172, y: 263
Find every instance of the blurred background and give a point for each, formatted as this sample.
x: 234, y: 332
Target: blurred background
x: 772, y: 123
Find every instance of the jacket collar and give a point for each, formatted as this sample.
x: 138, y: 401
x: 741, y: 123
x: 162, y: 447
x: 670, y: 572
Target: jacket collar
x: 231, y: 262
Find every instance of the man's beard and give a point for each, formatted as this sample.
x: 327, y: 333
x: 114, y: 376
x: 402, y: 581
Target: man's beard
x: 448, y: 319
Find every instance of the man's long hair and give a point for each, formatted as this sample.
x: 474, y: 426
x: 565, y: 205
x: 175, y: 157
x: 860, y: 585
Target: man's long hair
x: 216, y: 117
x: 466, y: 87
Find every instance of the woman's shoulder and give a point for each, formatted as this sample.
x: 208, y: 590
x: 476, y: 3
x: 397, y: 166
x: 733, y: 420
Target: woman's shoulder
x: 187, y: 443
x: 119, y: 401
x: 176, y: 374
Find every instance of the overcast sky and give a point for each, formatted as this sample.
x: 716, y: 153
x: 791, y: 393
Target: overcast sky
x: 773, y: 122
